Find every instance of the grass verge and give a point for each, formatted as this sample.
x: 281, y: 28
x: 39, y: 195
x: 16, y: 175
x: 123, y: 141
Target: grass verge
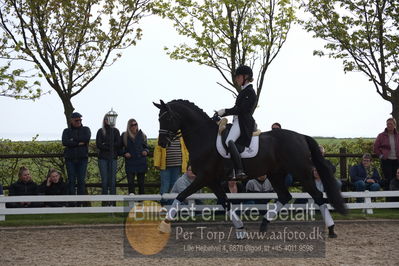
x: 119, y: 218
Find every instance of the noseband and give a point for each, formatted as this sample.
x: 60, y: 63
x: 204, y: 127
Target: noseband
x: 170, y: 135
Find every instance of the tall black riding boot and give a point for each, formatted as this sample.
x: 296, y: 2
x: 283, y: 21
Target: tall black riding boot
x: 235, y: 157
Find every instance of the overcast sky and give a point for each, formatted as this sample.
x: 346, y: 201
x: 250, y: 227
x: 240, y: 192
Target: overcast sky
x: 307, y: 94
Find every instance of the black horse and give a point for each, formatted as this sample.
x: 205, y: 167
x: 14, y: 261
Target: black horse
x: 280, y: 152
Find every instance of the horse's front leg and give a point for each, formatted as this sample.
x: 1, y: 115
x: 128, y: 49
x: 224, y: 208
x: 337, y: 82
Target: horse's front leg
x: 165, y: 225
x: 241, y: 233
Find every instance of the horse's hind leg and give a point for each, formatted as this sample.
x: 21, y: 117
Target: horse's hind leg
x: 225, y: 202
x: 278, y: 182
x: 310, y: 186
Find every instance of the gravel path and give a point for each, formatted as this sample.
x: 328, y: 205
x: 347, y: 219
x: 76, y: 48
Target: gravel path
x: 358, y: 243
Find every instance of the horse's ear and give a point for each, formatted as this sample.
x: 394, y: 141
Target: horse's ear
x: 162, y: 103
x: 157, y: 105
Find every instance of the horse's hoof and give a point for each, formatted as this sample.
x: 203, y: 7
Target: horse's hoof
x: 264, y: 225
x: 165, y: 227
x: 241, y: 233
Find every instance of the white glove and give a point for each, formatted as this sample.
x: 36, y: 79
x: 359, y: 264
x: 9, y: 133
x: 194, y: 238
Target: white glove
x: 221, y: 112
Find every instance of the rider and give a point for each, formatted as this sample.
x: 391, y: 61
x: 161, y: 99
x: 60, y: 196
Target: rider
x: 243, y: 122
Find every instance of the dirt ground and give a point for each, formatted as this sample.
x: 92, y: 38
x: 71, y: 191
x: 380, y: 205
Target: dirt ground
x: 358, y: 243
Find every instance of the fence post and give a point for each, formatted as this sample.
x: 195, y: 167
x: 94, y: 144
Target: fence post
x: 367, y: 201
x: 342, y: 164
x: 2, y: 206
x: 311, y: 207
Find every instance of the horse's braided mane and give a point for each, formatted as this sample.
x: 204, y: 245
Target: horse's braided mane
x: 191, y: 106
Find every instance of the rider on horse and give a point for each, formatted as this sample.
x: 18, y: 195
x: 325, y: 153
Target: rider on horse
x: 243, y: 122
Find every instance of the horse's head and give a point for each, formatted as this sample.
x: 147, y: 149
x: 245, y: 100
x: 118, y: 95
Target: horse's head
x: 169, y: 124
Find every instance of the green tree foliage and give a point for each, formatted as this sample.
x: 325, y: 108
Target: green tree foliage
x: 224, y: 34
x: 364, y: 34
x: 68, y: 43
x: 15, y: 84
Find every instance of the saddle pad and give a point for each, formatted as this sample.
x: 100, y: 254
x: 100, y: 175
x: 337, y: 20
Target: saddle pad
x: 250, y: 152
x: 223, y: 124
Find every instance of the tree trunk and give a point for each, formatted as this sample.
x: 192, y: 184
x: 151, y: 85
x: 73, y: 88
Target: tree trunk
x: 68, y: 109
x: 395, y: 106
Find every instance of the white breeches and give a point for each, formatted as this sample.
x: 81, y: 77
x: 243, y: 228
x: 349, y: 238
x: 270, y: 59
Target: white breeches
x: 235, y: 131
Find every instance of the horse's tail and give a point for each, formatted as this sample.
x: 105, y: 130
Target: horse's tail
x: 329, y: 183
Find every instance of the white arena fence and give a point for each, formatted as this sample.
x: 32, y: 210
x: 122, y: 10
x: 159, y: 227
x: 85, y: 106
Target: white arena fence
x: 368, y: 205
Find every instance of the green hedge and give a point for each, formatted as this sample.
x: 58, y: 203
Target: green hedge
x: 39, y: 166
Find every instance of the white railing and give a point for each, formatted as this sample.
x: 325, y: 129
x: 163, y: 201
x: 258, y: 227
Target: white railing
x: 368, y: 205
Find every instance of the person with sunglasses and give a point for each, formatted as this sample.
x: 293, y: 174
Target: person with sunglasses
x: 135, y: 150
x: 76, y: 140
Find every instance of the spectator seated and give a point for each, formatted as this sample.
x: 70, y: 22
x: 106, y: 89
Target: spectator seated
x: 53, y: 185
x: 364, y: 176
x: 260, y: 184
x: 23, y: 187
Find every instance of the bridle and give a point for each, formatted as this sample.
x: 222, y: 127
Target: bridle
x: 170, y: 135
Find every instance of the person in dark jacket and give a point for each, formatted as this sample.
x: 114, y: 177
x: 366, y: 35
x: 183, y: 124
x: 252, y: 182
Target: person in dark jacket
x: 23, y: 187
x: 365, y: 176
x: 135, y: 150
x: 53, y: 185
x: 108, y: 145
x: 243, y: 122
x: 76, y: 141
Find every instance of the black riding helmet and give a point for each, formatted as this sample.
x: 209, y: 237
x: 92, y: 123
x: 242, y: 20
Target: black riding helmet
x: 244, y: 70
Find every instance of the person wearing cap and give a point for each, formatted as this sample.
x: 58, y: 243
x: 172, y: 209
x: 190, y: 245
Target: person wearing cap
x: 76, y: 140
x: 243, y: 122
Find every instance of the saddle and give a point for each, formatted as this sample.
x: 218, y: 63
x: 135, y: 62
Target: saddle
x: 245, y: 152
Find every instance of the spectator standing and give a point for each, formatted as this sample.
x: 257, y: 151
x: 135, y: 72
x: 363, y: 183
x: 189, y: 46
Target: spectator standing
x: 23, y: 187
x: 108, y: 144
x: 135, y: 150
x: 171, y: 161
x: 76, y: 140
x: 386, y: 146
x: 53, y: 185
x: 365, y: 176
